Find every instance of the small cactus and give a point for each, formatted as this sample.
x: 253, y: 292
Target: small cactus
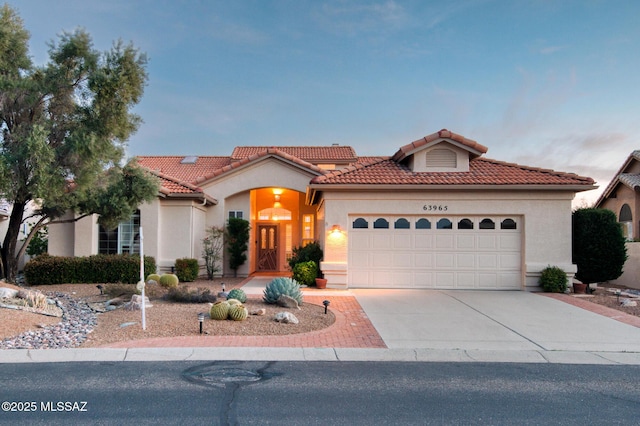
x: 238, y: 312
x: 239, y: 294
x: 153, y: 277
x: 169, y: 280
x: 233, y: 302
x: 219, y: 310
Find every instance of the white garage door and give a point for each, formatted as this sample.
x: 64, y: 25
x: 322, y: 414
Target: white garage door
x: 448, y: 252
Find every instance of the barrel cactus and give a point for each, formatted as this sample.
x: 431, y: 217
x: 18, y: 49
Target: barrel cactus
x: 153, y: 277
x: 169, y: 280
x: 238, y: 312
x: 233, y: 302
x: 279, y: 286
x: 238, y: 294
x: 219, y: 310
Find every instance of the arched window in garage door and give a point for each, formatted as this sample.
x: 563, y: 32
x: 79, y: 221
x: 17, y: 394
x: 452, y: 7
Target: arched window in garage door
x: 402, y: 223
x: 444, y: 223
x: 465, y: 224
x: 508, y: 224
x: 360, y: 223
x: 381, y: 223
x: 487, y: 224
x: 423, y: 224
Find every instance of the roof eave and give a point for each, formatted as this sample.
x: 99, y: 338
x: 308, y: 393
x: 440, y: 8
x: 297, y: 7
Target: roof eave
x: 394, y: 187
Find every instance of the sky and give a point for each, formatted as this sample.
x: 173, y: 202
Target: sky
x: 545, y: 83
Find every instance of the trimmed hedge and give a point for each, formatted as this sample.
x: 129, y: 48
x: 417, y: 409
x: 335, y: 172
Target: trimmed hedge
x: 100, y: 268
x: 187, y: 269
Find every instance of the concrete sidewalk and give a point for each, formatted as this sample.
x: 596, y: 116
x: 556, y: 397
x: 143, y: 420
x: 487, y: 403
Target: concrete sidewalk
x: 425, y: 326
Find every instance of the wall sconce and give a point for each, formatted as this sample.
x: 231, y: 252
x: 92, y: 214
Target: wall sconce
x: 276, y: 197
x: 336, y: 230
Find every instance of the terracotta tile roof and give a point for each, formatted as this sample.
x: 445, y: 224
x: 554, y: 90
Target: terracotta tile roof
x: 621, y: 177
x: 189, y: 173
x: 631, y: 180
x: 482, y: 171
x: 311, y: 154
x: 265, y: 152
x: 444, y: 133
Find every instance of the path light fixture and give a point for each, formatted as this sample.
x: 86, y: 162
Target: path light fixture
x: 201, y: 320
x: 223, y: 287
x: 618, y: 291
x: 326, y: 305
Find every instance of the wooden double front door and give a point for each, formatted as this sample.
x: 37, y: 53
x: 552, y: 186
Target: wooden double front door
x: 267, y: 252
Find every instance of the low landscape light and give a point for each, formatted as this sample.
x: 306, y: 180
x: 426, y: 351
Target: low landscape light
x: 201, y: 320
x: 326, y: 305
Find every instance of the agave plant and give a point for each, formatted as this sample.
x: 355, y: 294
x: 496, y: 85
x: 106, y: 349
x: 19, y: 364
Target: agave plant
x: 279, y: 286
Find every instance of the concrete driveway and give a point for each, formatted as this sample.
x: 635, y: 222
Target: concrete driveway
x: 491, y: 320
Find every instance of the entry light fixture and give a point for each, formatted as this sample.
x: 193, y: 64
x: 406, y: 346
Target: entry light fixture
x: 335, y: 230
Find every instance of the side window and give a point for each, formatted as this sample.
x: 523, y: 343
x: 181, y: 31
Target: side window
x: 381, y: 223
x: 487, y: 224
x: 360, y: 223
x: 423, y: 224
x: 235, y: 214
x: 508, y: 224
x: 444, y: 224
x: 402, y: 223
x: 465, y: 224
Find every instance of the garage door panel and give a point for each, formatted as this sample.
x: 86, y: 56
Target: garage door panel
x: 444, y: 260
x: 436, y: 258
x: 467, y: 242
x: 466, y: 260
x: 402, y: 241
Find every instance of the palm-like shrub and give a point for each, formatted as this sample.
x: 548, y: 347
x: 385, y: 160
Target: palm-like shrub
x: 279, y: 286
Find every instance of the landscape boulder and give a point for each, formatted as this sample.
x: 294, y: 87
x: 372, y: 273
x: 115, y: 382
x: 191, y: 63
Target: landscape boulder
x: 286, y: 318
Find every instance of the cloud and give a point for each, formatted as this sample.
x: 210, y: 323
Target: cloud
x: 353, y: 18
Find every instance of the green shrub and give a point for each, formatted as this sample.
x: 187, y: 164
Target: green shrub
x: 100, y: 268
x: 184, y: 294
x: 169, y: 280
x: 311, y: 251
x: 553, y: 279
x: 599, y: 249
x: 279, y: 286
x: 187, y: 269
x: 305, y: 272
x: 238, y: 294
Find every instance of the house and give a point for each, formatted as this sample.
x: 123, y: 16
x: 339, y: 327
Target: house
x: 436, y: 214
x: 622, y: 196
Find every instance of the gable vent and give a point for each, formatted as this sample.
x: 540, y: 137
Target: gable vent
x: 190, y: 159
x: 441, y: 157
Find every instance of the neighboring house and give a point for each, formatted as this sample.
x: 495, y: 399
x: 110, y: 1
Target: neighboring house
x: 436, y: 214
x: 622, y: 196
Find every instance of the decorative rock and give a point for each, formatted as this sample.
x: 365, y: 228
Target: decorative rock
x: 8, y: 293
x: 136, y: 303
x: 115, y: 302
x: 259, y: 312
x: 287, y: 302
x: 286, y: 318
x: 628, y: 302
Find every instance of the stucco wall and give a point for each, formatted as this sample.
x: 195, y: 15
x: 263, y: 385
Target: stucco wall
x: 631, y: 272
x: 61, y: 237
x: 625, y: 195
